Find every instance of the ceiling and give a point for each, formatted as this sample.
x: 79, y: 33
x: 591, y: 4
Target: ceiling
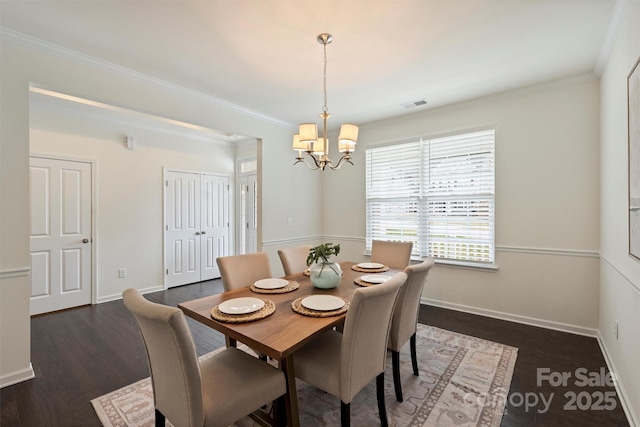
x: 262, y: 55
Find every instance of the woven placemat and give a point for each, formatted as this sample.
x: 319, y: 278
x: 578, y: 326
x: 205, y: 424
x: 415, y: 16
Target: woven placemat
x: 370, y: 270
x: 297, y: 306
x: 359, y: 281
x: 267, y: 310
x: 291, y: 286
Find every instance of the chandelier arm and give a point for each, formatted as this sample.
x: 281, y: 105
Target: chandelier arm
x: 302, y: 160
x: 346, y: 158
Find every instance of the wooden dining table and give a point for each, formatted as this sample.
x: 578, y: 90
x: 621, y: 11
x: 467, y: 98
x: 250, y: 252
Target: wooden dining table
x: 282, y: 333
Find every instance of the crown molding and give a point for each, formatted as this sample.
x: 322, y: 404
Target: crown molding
x: 615, y: 23
x: 57, y: 50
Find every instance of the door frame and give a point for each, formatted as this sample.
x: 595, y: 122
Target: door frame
x: 238, y: 202
x: 165, y: 171
x: 94, y: 214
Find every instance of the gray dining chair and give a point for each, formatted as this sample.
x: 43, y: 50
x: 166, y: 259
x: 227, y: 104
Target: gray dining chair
x: 238, y: 271
x: 216, y: 391
x: 342, y: 364
x: 393, y: 254
x: 294, y: 259
x: 404, y: 322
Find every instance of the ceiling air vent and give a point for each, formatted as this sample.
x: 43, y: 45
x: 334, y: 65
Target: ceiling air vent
x: 413, y: 104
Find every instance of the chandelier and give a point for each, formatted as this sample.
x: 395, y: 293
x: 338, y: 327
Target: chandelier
x: 307, y: 141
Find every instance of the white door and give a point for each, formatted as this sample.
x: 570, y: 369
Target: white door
x: 214, y: 223
x: 251, y: 202
x: 60, y: 234
x: 197, y: 226
x: 182, y: 213
x: 248, y: 191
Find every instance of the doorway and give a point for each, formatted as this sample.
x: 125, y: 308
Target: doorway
x: 247, y: 191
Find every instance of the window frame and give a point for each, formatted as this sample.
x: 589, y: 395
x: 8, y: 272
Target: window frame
x: 476, y: 196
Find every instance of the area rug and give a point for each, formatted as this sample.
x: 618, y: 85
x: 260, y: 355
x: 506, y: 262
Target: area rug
x: 463, y: 381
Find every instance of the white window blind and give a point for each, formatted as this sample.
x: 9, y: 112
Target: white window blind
x: 437, y: 193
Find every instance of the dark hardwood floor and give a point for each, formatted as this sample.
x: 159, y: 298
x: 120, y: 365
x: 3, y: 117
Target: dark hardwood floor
x: 86, y: 352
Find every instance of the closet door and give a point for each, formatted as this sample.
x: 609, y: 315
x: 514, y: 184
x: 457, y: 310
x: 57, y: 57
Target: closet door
x: 214, y: 223
x: 182, y: 229
x: 197, y: 226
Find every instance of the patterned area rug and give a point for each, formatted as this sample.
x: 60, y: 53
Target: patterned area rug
x: 463, y: 381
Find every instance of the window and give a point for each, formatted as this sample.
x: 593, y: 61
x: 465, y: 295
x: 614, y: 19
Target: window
x: 437, y: 193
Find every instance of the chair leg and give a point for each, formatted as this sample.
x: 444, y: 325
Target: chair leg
x: 160, y: 419
x: 279, y: 411
x: 414, y: 355
x: 382, y: 409
x: 395, y: 362
x: 345, y: 414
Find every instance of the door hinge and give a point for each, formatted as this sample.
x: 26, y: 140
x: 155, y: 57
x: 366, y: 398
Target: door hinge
x: 166, y: 183
x: 166, y: 227
x: 167, y: 271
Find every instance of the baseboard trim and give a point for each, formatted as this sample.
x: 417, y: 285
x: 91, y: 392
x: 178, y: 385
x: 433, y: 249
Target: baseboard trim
x: 631, y: 417
x: 531, y: 321
x: 17, y: 377
x: 116, y: 297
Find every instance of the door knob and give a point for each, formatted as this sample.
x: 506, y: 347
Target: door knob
x: 197, y: 233
x: 85, y: 240
x: 204, y: 232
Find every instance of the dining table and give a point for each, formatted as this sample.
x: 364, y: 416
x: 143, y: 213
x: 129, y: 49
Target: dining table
x: 281, y: 333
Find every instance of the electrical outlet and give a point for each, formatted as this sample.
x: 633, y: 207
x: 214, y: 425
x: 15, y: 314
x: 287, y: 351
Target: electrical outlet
x: 615, y: 328
x: 289, y: 221
x: 122, y: 272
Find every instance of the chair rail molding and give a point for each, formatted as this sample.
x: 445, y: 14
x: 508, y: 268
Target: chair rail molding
x: 15, y: 272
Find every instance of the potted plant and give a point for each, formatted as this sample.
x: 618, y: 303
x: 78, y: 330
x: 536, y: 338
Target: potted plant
x: 324, y: 273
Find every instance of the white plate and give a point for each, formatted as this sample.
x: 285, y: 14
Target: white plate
x: 370, y: 265
x: 271, y: 283
x: 241, y: 305
x: 375, y: 278
x: 322, y: 302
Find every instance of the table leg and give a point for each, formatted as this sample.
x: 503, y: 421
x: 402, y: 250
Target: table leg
x: 286, y: 365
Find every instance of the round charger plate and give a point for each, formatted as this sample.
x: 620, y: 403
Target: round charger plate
x: 356, y: 267
x: 322, y: 302
x: 271, y: 283
x: 370, y: 265
x: 241, y: 305
x: 375, y: 278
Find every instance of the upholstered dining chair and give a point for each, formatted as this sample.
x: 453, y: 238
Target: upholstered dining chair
x: 390, y: 253
x: 216, y: 391
x: 342, y: 364
x: 405, y: 319
x: 238, y: 271
x: 294, y: 259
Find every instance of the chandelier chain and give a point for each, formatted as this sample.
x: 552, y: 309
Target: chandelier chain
x: 324, y: 77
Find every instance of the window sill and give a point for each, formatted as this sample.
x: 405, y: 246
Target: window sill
x: 454, y: 264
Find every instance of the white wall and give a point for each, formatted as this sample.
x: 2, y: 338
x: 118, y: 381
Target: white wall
x: 129, y: 187
x: 547, y: 203
x: 25, y: 61
x: 619, y: 272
